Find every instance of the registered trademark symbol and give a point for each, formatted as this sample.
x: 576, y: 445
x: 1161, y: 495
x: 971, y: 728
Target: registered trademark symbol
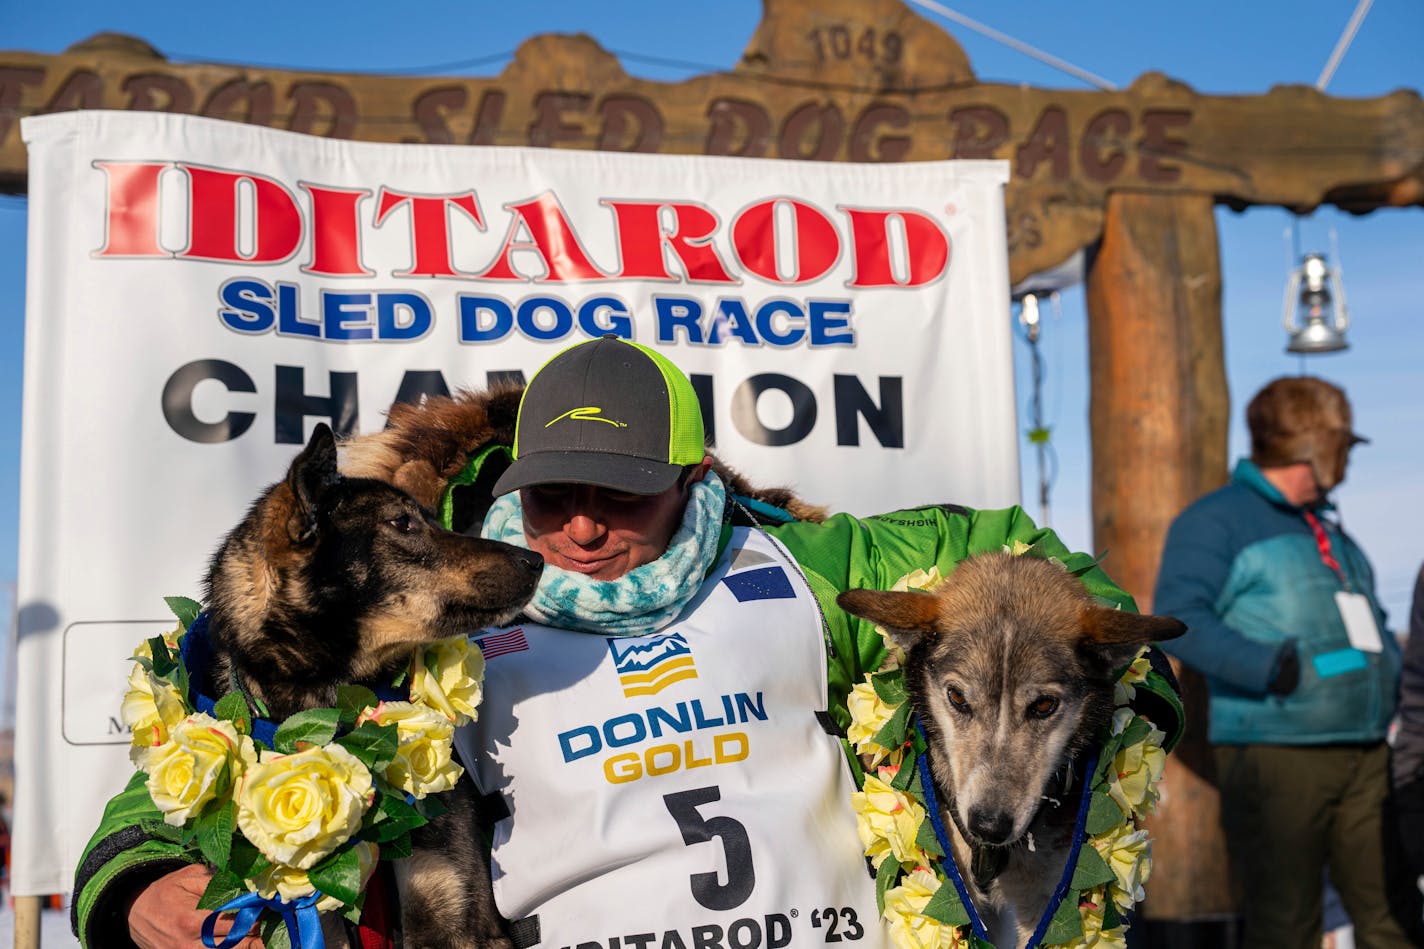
x: 794, y: 914
x: 950, y: 208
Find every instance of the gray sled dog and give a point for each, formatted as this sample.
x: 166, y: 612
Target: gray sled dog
x: 1010, y: 670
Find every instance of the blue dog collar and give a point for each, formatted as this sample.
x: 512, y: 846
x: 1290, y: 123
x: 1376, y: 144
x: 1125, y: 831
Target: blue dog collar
x: 196, y: 653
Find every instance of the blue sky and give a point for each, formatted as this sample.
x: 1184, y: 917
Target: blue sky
x: 1213, y: 46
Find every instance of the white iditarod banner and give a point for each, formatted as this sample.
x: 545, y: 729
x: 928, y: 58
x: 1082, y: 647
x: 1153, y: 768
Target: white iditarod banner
x: 201, y: 294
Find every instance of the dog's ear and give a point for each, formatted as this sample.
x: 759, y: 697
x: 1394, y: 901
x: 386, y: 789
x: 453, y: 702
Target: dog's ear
x: 908, y: 617
x: 1110, y: 628
x: 312, y: 473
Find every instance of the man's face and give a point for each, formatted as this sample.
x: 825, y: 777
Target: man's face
x: 598, y: 532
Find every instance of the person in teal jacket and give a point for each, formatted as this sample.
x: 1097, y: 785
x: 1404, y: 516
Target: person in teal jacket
x: 1284, y: 623
x: 630, y: 520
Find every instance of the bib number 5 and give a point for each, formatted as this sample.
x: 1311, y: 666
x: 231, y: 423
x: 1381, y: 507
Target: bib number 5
x: 696, y: 829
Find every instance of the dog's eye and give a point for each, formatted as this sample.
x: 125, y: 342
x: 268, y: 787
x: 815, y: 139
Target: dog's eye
x: 958, y: 701
x: 404, y: 523
x: 1042, y: 707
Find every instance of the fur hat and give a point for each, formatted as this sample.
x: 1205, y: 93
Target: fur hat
x: 1298, y: 419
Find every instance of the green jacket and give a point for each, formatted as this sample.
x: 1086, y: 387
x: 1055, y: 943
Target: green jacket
x: 840, y: 554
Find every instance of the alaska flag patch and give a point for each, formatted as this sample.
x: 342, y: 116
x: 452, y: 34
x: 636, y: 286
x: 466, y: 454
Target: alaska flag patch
x: 648, y: 665
x: 761, y: 583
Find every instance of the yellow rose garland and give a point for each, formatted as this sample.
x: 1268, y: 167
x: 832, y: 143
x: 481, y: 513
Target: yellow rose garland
x: 300, y: 825
x: 918, y: 903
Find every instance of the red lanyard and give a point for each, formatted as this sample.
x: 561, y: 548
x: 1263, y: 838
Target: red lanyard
x: 1322, y: 542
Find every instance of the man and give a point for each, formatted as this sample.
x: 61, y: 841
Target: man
x: 662, y: 735
x: 1407, y: 761
x: 1285, y: 625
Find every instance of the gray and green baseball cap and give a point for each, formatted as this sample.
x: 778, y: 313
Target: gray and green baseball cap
x: 607, y: 412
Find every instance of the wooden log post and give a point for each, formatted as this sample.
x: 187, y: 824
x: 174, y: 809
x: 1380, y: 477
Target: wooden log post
x: 27, y: 922
x: 1159, y: 418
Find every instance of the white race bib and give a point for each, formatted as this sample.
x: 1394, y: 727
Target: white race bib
x: 677, y: 790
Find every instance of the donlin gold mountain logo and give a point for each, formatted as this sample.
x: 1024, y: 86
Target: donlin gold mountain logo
x: 587, y: 413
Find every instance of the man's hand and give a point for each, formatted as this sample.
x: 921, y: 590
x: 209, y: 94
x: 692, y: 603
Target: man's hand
x: 1286, y: 675
x: 164, y: 915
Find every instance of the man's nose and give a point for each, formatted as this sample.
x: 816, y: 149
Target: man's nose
x: 583, y: 529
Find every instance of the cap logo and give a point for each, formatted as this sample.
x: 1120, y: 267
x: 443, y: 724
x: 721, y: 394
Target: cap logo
x: 587, y: 413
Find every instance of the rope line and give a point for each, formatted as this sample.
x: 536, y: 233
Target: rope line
x: 1347, y: 36
x: 1062, y: 65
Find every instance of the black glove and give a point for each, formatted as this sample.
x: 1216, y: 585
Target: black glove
x: 1286, y: 675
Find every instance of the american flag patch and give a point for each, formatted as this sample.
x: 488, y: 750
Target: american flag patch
x: 502, y: 644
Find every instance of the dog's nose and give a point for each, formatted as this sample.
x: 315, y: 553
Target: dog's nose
x: 992, y: 827
x: 531, y: 561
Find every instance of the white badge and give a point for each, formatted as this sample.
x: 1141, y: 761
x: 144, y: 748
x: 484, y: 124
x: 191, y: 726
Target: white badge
x: 1359, y: 620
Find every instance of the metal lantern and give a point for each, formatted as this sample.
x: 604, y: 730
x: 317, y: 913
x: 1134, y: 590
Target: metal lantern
x: 1314, y: 313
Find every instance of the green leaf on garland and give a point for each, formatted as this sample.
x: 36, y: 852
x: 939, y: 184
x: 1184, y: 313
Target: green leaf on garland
x: 904, y: 778
x: 246, y: 860
x: 163, y: 663
x: 431, y: 807
x: 352, y: 700
x: 917, y: 742
x: 890, y: 686
x: 384, y: 832
x: 396, y: 807
x: 274, y: 931
x: 351, y: 912
x: 339, y: 875
x: 1103, y: 813
x: 390, y: 818
x: 215, y: 828
x: 1136, y: 730
x: 397, y: 849
x: 885, y: 877
x: 374, y: 744
x: 1112, y: 919
x: 927, y: 840
x: 179, y: 677
x: 233, y: 708
x: 892, y: 733
x: 184, y: 608
x: 1079, y: 563
x: 157, y: 828
x: 315, y: 726
x: 946, y: 906
x: 1092, y: 870
x: 1066, y: 924
x: 222, y: 888
x: 1111, y: 746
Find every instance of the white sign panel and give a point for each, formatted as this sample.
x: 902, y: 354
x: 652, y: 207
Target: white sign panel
x: 201, y: 294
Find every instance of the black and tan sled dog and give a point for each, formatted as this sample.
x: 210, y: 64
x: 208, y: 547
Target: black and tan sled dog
x: 333, y: 580
x: 1010, y: 668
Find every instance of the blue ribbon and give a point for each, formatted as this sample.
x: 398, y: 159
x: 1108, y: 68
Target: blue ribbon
x: 196, y: 652
x: 303, y: 922
x: 1059, y: 892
